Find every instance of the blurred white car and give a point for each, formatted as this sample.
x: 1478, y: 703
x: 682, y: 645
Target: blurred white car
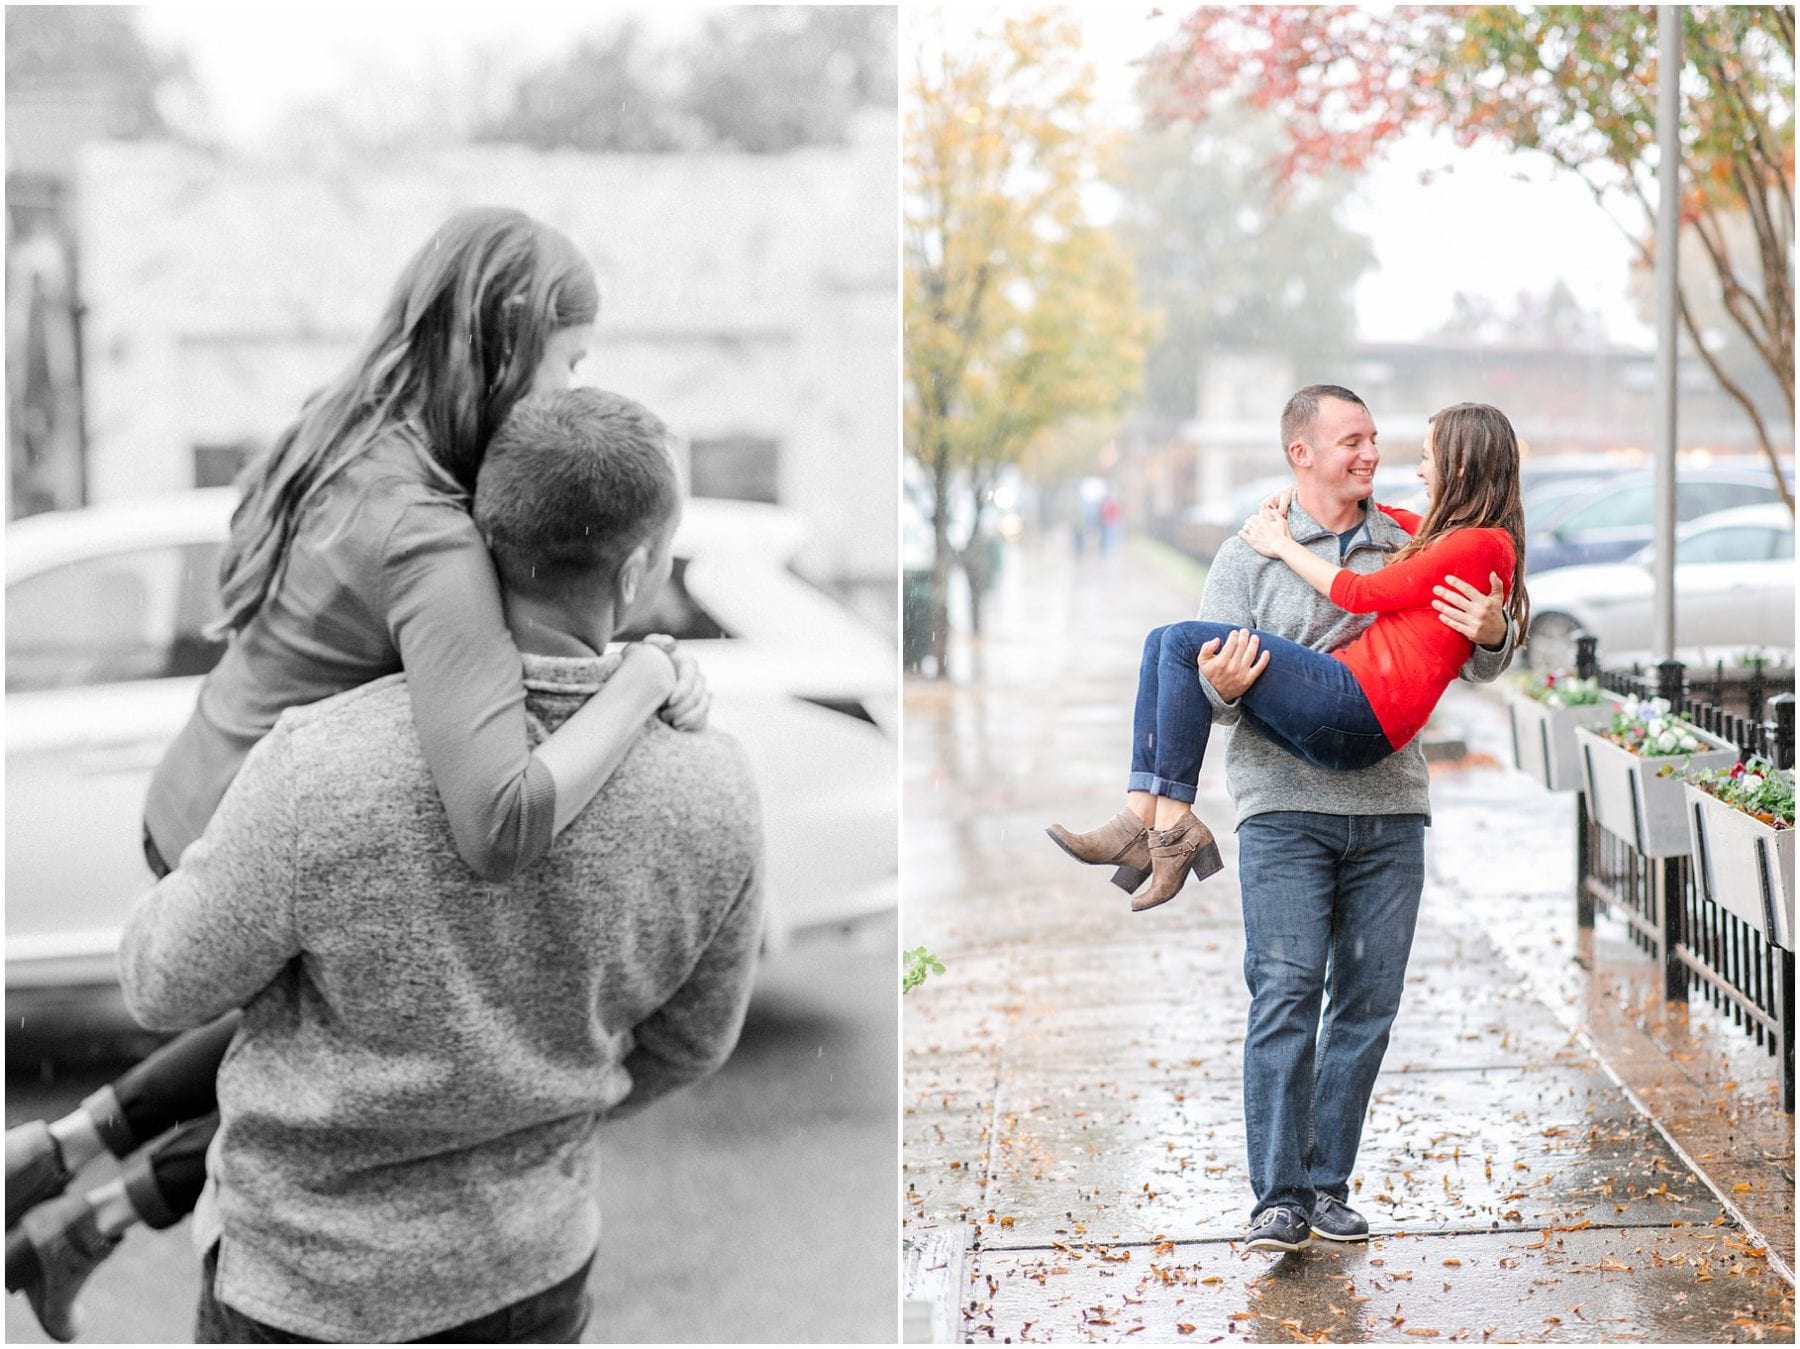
x: 104, y: 610
x: 1734, y: 593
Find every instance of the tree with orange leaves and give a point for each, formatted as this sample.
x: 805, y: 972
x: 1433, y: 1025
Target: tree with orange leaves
x: 1577, y: 82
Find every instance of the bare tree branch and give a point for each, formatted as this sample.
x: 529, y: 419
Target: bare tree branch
x: 1729, y: 385
x: 1756, y: 323
x: 1736, y: 391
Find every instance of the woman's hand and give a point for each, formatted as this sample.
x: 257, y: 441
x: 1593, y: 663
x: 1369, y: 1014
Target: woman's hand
x: 1278, y: 503
x: 689, y: 704
x: 1268, y: 534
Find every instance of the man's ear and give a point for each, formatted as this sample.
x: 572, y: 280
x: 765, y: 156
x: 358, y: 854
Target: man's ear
x: 631, y: 575
x: 1299, y: 456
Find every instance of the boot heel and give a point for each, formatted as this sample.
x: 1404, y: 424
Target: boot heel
x: 1129, y: 878
x: 1207, y: 862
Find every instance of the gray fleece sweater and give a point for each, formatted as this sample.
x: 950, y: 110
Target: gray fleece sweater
x: 1244, y: 587
x: 408, y: 1133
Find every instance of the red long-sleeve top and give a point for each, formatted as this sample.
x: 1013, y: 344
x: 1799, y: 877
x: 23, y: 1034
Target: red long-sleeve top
x: 1407, y: 657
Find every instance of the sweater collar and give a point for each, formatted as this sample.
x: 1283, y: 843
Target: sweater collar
x: 579, y: 675
x: 1383, y: 532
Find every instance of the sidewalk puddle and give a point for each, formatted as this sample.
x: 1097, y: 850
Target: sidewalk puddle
x: 1653, y: 1285
x: 1072, y: 1081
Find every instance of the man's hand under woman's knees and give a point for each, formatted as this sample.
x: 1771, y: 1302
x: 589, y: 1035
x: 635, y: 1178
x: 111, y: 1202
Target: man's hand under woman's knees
x: 1232, y: 667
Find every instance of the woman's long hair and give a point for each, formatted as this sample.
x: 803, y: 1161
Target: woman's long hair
x: 1477, y: 468
x: 458, y: 344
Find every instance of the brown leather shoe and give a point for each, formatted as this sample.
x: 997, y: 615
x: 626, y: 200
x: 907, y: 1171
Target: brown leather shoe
x: 1185, y: 846
x: 1121, y: 842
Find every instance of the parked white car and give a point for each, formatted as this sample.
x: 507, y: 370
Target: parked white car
x: 1734, y: 593
x: 104, y: 611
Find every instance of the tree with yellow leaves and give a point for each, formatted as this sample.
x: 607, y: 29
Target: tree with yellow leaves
x: 1021, y: 312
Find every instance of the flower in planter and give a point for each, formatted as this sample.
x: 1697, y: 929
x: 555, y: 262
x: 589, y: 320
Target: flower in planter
x: 1757, y: 788
x: 1555, y: 690
x: 1652, y: 728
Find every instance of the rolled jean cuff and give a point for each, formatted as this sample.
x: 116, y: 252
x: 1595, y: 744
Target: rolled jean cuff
x: 1149, y: 782
x: 109, y: 1122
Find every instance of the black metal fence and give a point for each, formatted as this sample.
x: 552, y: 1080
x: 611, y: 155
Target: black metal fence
x: 1702, y: 947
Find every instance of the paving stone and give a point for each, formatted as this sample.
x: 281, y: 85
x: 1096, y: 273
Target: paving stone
x: 1073, y: 1081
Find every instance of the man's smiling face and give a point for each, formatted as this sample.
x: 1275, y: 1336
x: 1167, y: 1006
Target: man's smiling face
x: 1339, y: 457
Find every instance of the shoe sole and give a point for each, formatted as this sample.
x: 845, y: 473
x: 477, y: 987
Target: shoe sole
x: 1349, y: 1239
x: 1127, y: 877
x: 1271, y: 1244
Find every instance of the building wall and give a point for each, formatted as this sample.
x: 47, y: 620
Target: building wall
x: 747, y: 299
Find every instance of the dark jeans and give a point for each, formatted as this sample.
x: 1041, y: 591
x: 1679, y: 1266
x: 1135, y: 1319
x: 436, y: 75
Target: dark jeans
x: 557, y: 1315
x: 1305, y: 701
x: 1330, y: 902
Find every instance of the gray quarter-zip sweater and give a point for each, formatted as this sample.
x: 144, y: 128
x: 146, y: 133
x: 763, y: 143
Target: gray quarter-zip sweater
x: 1244, y: 587
x: 408, y: 1112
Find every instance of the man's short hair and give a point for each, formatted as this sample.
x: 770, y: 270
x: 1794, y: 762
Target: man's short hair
x: 571, y: 483
x: 1302, y: 411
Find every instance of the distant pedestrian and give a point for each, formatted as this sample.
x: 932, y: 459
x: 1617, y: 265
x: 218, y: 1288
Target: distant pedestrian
x: 408, y: 1142
x: 1090, y: 495
x: 1112, y: 518
x: 352, y: 556
x: 1330, y: 860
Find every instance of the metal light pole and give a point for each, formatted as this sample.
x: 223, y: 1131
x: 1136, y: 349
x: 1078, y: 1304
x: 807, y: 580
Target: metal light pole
x: 1668, y: 245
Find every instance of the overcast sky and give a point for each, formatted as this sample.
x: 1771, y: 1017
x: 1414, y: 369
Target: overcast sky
x: 256, y: 60
x: 1497, y: 223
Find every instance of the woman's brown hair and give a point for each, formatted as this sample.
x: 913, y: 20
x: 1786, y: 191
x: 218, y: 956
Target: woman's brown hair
x: 1476, y: 459
x: 457, y: 345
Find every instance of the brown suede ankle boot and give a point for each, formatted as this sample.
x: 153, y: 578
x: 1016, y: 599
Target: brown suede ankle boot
x: 1185, y: 846
x: 1120, y: 843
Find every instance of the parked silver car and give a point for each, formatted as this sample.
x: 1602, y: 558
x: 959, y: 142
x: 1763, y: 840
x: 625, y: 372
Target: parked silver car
x: 1615, y: 518
x: 1734, y: 594
x: 104, y: 612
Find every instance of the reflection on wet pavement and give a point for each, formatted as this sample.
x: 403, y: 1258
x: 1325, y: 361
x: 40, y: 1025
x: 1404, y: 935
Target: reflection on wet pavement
x: 1072, y: 1079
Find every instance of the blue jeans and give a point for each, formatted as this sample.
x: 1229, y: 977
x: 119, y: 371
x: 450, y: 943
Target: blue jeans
x: 1330, y: 902
x: 1305, y: 701
x: 557, y: 1315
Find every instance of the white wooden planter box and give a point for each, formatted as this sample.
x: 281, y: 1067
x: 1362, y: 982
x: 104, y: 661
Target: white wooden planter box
x: 1626, y: 798
x: 1744, y: 866
x: 1544, y: 739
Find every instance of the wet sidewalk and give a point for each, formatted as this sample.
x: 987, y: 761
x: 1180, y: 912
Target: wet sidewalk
x: 1074, y: 1134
